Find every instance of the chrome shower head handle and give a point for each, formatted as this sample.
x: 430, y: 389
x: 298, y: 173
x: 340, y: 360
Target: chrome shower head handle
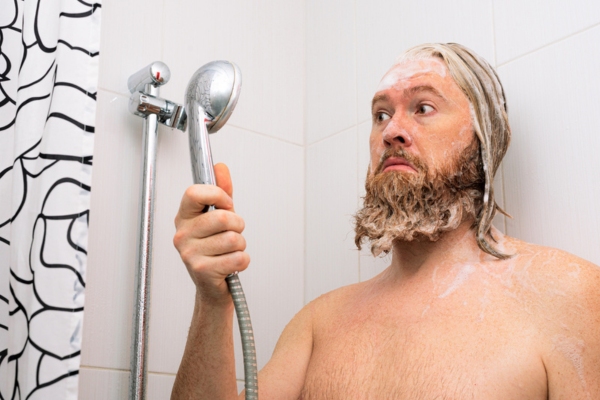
x: 210, y: 98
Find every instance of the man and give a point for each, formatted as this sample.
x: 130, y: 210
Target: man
x: 462, y: 312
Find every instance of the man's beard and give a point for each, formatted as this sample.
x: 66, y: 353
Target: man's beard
x: 422, y: 205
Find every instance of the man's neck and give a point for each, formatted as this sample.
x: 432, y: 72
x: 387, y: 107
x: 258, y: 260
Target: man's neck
x: 415, y: 258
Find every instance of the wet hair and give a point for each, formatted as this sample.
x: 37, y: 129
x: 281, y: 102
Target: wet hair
x: 480, y: 83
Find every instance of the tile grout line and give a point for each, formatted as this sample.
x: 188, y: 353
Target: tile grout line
x: 266, y: 135
x: 162, y: 373
x: 162, y: 30
x: 356, y: 133
x: 126, y: 370
x: 100, y: 88
x: 331, y: 135
x: 494, y: 36
x: 304, y: 151
x: 103, y: 368
x: 564, y: 38
x: 502, y: 184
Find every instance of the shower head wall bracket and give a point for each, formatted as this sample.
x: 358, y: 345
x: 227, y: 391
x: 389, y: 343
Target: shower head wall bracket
x: 144, y: 99
x: 168, y: 113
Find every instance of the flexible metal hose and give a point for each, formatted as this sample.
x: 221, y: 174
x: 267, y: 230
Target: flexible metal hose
x: 247, y: 334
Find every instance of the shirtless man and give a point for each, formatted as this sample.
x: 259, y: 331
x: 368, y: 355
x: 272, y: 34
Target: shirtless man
x: 462, y: 312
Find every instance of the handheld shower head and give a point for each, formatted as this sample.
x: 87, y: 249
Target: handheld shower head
x: 216, y: 87
x: 210, y: 98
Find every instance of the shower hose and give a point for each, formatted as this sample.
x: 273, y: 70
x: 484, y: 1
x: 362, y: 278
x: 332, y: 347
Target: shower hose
x: 247, y: 334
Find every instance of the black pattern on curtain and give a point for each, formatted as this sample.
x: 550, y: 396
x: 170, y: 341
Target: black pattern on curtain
x: 48, y: 84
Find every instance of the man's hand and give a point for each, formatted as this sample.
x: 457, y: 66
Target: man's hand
x: 211, y: 243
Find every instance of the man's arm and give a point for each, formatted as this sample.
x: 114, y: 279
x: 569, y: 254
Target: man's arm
x: 207, y: 369
x: 212, y: 247
x: 284, y: 375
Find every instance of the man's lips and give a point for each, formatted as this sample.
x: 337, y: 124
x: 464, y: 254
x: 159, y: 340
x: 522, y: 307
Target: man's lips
x: 397, y: 164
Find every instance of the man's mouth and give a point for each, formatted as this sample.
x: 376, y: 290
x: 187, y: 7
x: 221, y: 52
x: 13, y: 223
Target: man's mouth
x: 397, y: 164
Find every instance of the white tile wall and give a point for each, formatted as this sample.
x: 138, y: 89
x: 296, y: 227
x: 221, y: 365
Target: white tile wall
x: 331, y: 200
x: 269, y: 194
x: 159, y: 386
x: 330, y: 68
x: 264, y: 37
x: 130, y: 39
x: 552, y: 171
x: 384, y: 29
x: 523, y: 26
x: 108, y: 384
x: 103, y: 384
x: 113, y: 234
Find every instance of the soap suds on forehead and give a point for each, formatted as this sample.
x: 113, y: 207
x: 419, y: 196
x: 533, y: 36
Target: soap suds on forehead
x: 409, y: 68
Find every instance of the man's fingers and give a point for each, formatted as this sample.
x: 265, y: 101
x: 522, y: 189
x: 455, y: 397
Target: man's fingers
x: 208, y: 224
x: 224, y: 178
x: 198, y: 197
x: 215, y: 268
x: 219, y: 244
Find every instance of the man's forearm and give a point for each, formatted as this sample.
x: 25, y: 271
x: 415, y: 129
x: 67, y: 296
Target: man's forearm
x: 207, y: 369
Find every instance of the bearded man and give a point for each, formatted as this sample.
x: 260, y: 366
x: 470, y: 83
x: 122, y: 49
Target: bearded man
x: 462, y: 312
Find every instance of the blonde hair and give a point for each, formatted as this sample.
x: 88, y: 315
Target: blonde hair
x: 481, y: 85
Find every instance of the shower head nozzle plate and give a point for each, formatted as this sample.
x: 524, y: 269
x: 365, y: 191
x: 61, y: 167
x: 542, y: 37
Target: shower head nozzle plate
x: 216, y: 87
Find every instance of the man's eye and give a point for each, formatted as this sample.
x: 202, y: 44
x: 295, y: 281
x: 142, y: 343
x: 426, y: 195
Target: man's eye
x: 424, y: 109
x: 381, y: 116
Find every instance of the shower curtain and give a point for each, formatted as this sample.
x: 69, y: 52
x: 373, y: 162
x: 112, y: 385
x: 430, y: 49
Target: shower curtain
x: 48, y: 79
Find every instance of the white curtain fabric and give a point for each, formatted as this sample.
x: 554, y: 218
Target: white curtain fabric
x: 48, y: 80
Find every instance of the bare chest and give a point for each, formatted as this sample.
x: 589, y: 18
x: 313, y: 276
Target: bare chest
x: 453, y: 355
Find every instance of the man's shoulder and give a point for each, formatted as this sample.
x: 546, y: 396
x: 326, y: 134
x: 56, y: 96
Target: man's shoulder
x: 554, y: 266
x: 338, y: 297
x: 563, y: 284
x: 339, y: 303
x: 564, y: 305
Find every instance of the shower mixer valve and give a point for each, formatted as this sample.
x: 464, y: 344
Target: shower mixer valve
x: 143, y: 103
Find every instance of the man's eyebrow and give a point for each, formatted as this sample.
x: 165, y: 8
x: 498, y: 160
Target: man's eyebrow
x: 409, y: 93
x: 379, y: 97
x: 423, y: 88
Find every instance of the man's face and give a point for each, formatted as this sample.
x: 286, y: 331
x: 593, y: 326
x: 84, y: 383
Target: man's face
x: 426, y: 172
x: 419, y: 108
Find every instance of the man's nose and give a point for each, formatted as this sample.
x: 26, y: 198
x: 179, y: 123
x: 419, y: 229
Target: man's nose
x: 396, y: 136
